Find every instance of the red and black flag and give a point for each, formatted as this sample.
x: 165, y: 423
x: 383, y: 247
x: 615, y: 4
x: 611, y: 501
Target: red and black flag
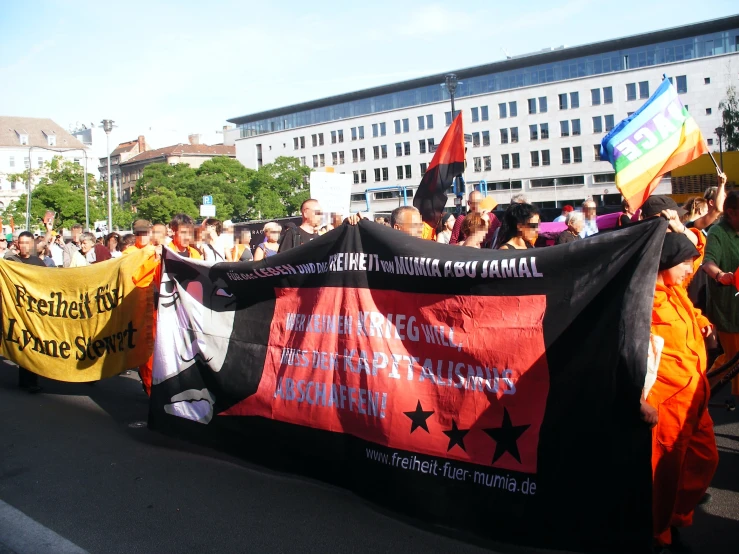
x: 447, y: 163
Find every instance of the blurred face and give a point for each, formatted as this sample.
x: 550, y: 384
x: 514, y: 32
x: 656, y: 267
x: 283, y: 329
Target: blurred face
x: 41, y: 247
x: 3, y: 244
x: 183, y: 236
x: 577, y: 225
x: 450, y: 223
x: 312, y: 214
x: 76, y: 234
x: 676, y: 275
x: 142, y: 238
x: 86, y: 245
x: 410, y: 223
x: 474, y: 202
x: 529, y: 231
x: 25, y: 246
x: 589, y: 210
x: 273, y: 235
x: 113, y: 244
x: 158, y: 234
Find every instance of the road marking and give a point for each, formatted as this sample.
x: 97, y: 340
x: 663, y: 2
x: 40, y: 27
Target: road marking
x: 24, y: 535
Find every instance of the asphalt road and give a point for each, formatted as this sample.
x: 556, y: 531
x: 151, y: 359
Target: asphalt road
x: 73, y: 460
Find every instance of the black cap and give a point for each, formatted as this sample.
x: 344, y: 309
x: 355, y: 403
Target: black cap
x: 676, y: 249
x: 655, y: 204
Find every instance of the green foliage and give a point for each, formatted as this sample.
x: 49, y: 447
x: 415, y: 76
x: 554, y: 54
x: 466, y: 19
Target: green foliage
x: 239, y: 193
x: 729, y: 107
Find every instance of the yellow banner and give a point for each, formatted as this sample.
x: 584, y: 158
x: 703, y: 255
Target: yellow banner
x: 76, y: 324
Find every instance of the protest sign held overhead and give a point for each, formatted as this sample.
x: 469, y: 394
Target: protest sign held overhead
x: 445, y: 383
x: 77, y: 325
x: 657, y: 138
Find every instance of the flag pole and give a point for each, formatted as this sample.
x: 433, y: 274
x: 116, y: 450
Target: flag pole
x: 718, y: 169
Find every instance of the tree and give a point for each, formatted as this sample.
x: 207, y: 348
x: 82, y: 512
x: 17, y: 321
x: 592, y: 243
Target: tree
x: 729, y: 107
x: 289, y: 180
x: 161, y: 206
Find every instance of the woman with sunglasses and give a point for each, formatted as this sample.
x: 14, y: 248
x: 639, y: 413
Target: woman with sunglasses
x: 520, y: 227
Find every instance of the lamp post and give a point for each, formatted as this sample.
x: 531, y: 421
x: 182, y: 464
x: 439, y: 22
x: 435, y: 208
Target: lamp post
x: 108, y: 127
x: 451, y: 86
x: 28, y: 192
x: 720, y: 135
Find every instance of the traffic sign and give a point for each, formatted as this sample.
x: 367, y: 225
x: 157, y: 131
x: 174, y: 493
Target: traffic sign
x: 207, y: 210
x: 207, y: 200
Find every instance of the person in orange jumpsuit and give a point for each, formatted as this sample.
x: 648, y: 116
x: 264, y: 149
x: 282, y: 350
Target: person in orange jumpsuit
x: 684, y: 454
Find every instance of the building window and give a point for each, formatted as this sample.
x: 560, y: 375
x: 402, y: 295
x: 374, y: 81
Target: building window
x: 514, y: 134
x: 513, y: 108
x: 502, y: 110
x: 534, y: 158
x: 533, y: 132
x: 354, y: 133
x: 595, y: 96
x: 477, y: 163
x: 383, y: 129
x: 710, y: 142
x: 375, y: 132
x: 399, y: 171
x: 363, y: 175
x: 341, y: 157
x: 487, y: 163
x: 475, y: 115
x: 574, y: 100
x: 431, y: 144
x: 377, y: 174
x: 315, y: 160
x: 302, y: 160
x: 609, y: 123
x: 362, y: 156
x: 361, y: 197
x: 486, y: 138
x: 341, y: 135
x: 51, y: 140
x: 314, y: 140
x: 577, y: 154
x: 707, y: 81
x: 563, y: 105
x: 429, y: 121
x: 630, y: 91
x: 376, y: 152
x: 505, y: 161
x: 644, y: 89
x: 397, y: 126
x: 356, y: 177
x: 532, y: 105
x: 408, y: 174
x: 542, y: 104
x: 597, y: 124
x: 575, y: 127
x: 608, y: 95
x: 320, y: 139
x: 26, y: 162
x: 515, y: 161
x: 682, y: 84
x: 302, y: 142
x: 566, y: 155
x: 383, y: 150
x: 484, y: 113
x: 596, y: 152
x: 335, y: 160
x: 296, y: 143
x: 504, y: 136
x: 423, y: 168
x: 422, y: 146
x: 544, y: 131
x: 385, y: 174
x: 564, y: 128
x: 398, y: 149
x: 708, y: 111
x: 23, y: 138
x: 322, y: 158
x: 12, y: 161
x: 407, y: 148
x: 361, y: 132
x: 545, y: 157
x: 475, y: 140
x: 421, y: 123
x: 355, y: 155
x: 406, y: 125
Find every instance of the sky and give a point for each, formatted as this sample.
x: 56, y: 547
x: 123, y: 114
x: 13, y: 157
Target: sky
x: 171, y: 68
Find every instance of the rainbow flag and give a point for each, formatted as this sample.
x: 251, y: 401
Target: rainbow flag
x: 654, y: 140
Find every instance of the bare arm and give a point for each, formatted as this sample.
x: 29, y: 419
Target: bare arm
x: 715, y: 273
x: 258, y: 254
x: 715, y: 211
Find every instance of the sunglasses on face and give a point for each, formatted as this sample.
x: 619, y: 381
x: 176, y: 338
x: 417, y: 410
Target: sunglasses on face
x: 532, y: 225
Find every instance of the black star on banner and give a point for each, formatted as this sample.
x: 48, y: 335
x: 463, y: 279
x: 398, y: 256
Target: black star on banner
x: 506, y: 437
x: 419, y: 417
x: 456, y: 436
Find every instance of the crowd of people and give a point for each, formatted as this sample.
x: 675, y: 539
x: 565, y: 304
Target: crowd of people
x: 696, y: 267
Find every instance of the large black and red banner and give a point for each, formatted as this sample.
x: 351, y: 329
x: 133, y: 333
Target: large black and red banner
x: 496, y: 392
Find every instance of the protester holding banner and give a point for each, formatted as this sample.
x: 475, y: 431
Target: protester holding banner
x: 42, y: 251
x: 520, y: 227
x: 684, y: 455
x: 590, y: 227
x: 73, y: 245
x: 720, y: 262
x: 298, y: 236
x: 241, y: 251
x: 112, y: 242
x: 271, y: 245
x: 407, y: 219
x: 473, y: 205
x: 575, y: 222
x: 213, y: 247
x: 475, y: 228
x: 184, y: 232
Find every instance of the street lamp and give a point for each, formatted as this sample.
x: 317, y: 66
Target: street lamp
x: 720, y: 135
x: 451, y: 86
x: 108, y: 127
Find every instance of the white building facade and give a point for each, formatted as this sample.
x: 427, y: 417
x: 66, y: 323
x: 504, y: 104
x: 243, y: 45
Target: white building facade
x: 535, y: 121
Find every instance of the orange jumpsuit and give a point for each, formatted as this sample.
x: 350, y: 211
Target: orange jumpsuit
x: 684, y: 455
